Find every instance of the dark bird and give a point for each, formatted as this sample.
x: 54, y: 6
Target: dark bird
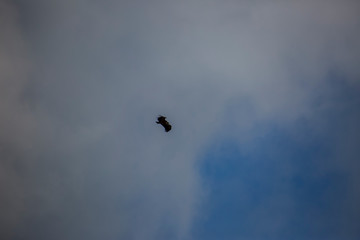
x: 162, y: 120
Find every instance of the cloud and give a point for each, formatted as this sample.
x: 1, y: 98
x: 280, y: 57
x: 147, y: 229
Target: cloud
x: 16, y: 122
x: 82, y: 83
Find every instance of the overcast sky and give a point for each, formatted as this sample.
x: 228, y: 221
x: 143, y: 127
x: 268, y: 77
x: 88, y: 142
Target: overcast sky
x: 263, y: 96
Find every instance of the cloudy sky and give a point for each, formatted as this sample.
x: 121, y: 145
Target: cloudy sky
x: 263, y: 96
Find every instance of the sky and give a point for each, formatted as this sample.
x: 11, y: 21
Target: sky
x: 263, y: 97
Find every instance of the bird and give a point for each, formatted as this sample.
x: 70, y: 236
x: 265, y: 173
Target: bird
x: 162, y: 120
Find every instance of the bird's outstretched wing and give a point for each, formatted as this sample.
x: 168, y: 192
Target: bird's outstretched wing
x: 161, y: 119
x: 167, y: 127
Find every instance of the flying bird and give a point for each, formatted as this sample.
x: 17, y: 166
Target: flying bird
x: 162, y: 120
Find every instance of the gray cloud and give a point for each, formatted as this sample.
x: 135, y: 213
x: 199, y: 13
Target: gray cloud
x: 82, y: 82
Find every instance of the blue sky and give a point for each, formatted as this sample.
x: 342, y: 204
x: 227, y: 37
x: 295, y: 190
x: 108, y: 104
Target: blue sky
x: 263, y: 98
x: 288, y: 185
